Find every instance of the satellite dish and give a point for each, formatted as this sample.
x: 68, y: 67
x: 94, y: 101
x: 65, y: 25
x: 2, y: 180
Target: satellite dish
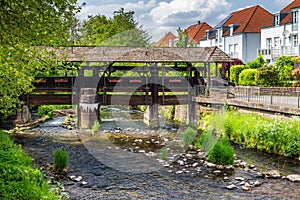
x: 286, y: 33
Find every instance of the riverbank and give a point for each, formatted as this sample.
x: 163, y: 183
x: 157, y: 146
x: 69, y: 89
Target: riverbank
x: 187, y: 177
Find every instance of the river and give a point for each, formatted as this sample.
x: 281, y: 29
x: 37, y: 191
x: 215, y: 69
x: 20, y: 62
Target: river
x: 123, y: 160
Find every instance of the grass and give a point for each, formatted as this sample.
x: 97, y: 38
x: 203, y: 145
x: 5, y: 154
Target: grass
x: 61, y: 160
x: 273, y: 135
x: 18, y: 178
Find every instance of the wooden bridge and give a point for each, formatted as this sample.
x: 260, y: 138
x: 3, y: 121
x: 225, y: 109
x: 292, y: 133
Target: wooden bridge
x: 149, y: 76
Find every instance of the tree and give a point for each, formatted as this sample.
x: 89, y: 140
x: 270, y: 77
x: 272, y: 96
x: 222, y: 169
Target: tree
x: 183, y: 38
x: 24, y: 26
x: 120, y: 30
x: 284, y: 65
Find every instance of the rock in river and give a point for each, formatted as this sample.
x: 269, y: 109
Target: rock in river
x: 294, y: 177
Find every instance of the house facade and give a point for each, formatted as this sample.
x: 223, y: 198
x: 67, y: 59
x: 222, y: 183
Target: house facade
x: 167, y: 41
x: 239, y: 34
x: 196, y: 32
x: 282, y: 38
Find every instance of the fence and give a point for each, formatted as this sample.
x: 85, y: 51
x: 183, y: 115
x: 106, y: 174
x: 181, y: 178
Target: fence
x: 271, y: 96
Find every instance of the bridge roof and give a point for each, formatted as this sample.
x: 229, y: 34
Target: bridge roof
x: 142, y: 54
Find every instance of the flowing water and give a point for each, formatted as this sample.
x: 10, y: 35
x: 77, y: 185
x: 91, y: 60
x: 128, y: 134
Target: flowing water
x: 127, y: 160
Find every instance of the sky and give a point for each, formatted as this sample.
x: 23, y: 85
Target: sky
x: 158, y: 17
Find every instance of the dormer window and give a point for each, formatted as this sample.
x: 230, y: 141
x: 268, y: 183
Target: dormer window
x: 295, y: 20
x: 277, y: 19
x: 295, y: 17
x: 207, y: 34
x: 231, y: 29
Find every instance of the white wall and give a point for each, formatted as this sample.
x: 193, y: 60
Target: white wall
x: 273, y: 32
x: 251, y: 44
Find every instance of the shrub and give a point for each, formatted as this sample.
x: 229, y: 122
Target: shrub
x: 188, y: 136
x: 247, y: 77
x: 18, y: 179
x: 257, y: 63
x: 45, y: 111
x: 222, y: 153
x: 164, y: 153
x: 267, y: 76
x: 235, y: 72
x: 60, y: 160
x: 255, y: 131
x: 283, y: 61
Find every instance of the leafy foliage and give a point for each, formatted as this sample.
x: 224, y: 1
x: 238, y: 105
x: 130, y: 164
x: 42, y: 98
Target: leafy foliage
x: 256, y: 131
x: 226, y: 66
x: 18, y: 179
x: 247, y: 77
x: 121, y: 30
x: 222, y: 153
x: 61, y: 159
x: 25, y: 25
x: 235, y: 72
x: 256, y: 63
x: 183, y: 38
x: 267, y: 76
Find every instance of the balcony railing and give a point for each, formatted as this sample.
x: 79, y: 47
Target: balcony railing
x: 282, y: 51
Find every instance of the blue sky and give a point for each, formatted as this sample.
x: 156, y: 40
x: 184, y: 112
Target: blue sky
x: 161, y: 16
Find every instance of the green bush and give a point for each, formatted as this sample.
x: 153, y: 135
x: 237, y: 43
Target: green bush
x: 235, y: 72
x: 45, y: 111
x: 222, y: 153
x: 18, y: 179
x: 284, y: 61
x: 247, y: 77
x: 256, y: 131
x: 188, y: 136
x: 60, y: 160
x: 267, y: 76
x: 256, y: 63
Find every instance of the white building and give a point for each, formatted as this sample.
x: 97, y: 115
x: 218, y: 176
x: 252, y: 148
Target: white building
x: 239, y: 34
x: 282, y: 37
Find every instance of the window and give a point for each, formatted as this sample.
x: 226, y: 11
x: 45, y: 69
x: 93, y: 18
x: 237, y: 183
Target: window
x: 217, y: 36
x: 295, y: 17
x: 277, y: 20
x: 236, y: 46
x: 277, y: 42
x: 230, y: 48
x: 230, y: 29
x: 220, y: 34
x: 295, y: 40
x: 269, y: 43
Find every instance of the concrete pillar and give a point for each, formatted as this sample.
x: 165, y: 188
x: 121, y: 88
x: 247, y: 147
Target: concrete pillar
x: 154, y: 120
x: 88, y: 108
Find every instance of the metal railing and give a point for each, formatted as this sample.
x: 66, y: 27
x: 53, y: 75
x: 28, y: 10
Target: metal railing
x: 269, y: 96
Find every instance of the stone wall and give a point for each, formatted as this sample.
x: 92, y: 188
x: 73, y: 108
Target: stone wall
x: 280, y: 91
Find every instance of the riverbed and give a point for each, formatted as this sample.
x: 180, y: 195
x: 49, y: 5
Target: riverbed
x: 100, y: 167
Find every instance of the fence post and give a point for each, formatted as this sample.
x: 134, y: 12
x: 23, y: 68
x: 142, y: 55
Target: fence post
x: 271, y: 96
x: 248, y: 94
x: 298, y: 100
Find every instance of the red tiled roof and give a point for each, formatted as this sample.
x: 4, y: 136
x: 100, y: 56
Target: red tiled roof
x: 164, y: 41
x: 250, y: 20
x: 287, y: 9
x: 196, y: 32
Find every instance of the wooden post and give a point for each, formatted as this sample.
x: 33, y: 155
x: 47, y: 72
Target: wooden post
x: 154, y: 121
x: 88, y: 108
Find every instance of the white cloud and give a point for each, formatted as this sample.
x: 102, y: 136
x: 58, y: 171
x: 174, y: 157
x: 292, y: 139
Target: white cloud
x: 159, y: 17
x: 188, y: 11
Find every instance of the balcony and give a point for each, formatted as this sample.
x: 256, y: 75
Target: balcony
x: 274, y: 53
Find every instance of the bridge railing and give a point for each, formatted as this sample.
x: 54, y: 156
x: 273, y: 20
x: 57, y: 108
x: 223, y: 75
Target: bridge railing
x: 270, y: 96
